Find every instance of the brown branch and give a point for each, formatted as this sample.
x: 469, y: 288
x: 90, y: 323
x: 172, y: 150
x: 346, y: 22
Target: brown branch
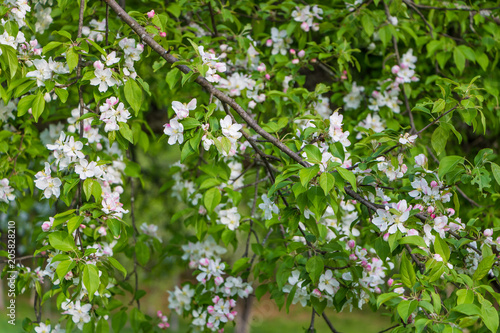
x: 147, y: 39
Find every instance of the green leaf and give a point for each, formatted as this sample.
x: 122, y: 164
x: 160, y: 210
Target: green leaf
x: 447, y: 164
x: 133, y: 95
x: 490, y: 316
x: 211, y: 199
x: 484, y: 267
x: 407, y: 273
x: 414, y: 240
x: 240, y: 264
x: 74, y: 223
x: 142, y: 252
x: 118, y: 321
x: 87, y: 188
x: 315, y: 267
x: 468, y: 309
x: 126, y: 132
x: 367, y: 23
x: 347, y: 175
x: 189, y: 123
x: 50, y: 46
x: 307, y: 174
x: 72, y: 58
x: 91, y: 279
x: 38, y: 106
x: 495, y: 169
x: 326, y: 181
x: 459, y: 59
x: 62, y: 93
x: 60, y: 240
x: 116, y: 264
x: 439, y: 139
x: 406, y: 308
x: 442, y: 248
x: 438, y: 105
x: 64, y: 267
x: 10, y: 54
x: 24, y: 104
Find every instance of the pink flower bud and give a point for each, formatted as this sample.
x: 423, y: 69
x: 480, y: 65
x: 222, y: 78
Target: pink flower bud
x: 386, y: 236
x: 305, y: 26
x: 46, y: 226
x: 163, y: 34
x: 412, y: 232
x: 314, y: 60
x: 261, y: 68
x: 210, y: 325
x: 301, y: 53
x: 221, y: 330
x: 159, y: 314
x: 204, y: 262
x: 488, y: 232
x: 215, y: 299
x: 353, y: 257
x: 269, y: 42
x: 267, y: 76
x: 430, y: 209
x: 151, y: 13
x: 433, y: 215
x: 419, y: 207
x: 210, y: 309
x: 98, y: 65
x: 351, y: 243
x: 395, y: 69
x: 434, y: 184
x: 83, y: 226
x: 451, y: 211
x: 377, y: 290
x: 390, y: 282
x: 292, y: 51
x: 218, y: 281
x: 295, y: 61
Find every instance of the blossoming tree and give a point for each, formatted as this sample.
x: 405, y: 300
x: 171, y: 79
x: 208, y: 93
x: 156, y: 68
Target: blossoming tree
x: 334, y: 155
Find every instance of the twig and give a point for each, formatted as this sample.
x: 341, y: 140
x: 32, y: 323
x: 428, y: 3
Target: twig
x: 415, y: 8
x: 212, y: 16
x: 436, y: 120
x: 329, y: 323
x: 420, y: 266
x: 390, y: 328
x: 311, y: 326
x: 107, y: 24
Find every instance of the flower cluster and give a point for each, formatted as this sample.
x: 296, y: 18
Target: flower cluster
x: 306, y: 15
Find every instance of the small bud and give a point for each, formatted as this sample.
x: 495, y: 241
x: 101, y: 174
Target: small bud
x: 151, y: 13
x: 351, y: 243
x: 488, y: 232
